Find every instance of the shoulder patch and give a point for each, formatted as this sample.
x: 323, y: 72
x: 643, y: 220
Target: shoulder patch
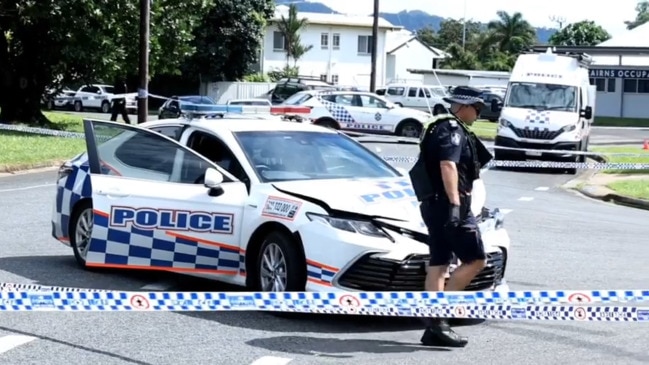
x: 452, y: 123
x: 455, y: 139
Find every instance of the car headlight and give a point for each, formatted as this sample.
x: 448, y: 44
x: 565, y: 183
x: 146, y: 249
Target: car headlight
x: 505, y: 123
x: 569, y: 128
x: 366, y: 228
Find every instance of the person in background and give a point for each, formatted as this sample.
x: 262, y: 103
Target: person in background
x: 119, y: 103
x: 450, y: 159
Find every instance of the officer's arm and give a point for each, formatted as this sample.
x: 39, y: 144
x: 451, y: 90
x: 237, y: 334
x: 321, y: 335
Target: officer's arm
x: 449, y: 151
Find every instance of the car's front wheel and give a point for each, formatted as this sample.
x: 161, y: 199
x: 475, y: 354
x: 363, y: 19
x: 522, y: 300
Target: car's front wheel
x: 280, y: 266
x: 81, y: 232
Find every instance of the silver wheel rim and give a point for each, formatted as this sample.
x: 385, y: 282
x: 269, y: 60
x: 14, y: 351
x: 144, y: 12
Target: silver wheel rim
x: 272, y: 270
x: 83, y: 232
x: 409, y: 131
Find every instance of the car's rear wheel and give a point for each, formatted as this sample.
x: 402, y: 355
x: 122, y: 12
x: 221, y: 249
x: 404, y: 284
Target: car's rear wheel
x: 78, y: 107
x: 81, y: 232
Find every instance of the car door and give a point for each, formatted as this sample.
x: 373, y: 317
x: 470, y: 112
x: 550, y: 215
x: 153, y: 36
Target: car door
x: 375, y: 114
x: 151, y: 208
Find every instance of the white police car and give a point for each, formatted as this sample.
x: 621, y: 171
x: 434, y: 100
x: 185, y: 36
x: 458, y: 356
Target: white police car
x: 274, y: 206
x: 359, y: 111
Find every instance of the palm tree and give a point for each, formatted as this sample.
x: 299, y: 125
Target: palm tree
x: 290, y: 28
x: 512, y: 33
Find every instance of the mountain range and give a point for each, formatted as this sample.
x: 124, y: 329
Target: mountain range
x: 411, y: 20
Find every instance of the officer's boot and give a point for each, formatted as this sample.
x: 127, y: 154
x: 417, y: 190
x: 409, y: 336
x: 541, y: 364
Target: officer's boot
x: 439, y: 333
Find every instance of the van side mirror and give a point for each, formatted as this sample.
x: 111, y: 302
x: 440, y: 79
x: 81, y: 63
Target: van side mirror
x: 496, y: 106
x: 587, y: 112
x: 213, y: 181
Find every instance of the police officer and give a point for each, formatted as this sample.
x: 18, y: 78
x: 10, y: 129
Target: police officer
x: 119, y: 103
x: 449, y: 161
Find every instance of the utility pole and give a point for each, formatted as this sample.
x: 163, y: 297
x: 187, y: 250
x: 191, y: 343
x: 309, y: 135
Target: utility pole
x: 142, y: 92
x: 375, y: 43
x: 464, y: 27
x: 559, y: 20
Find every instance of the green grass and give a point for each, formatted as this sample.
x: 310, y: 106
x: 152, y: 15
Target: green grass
x: 620, y: 122
x: 635, y: 188
x: 485, y: 129
x: 642, y: 157
x: 24, y: 150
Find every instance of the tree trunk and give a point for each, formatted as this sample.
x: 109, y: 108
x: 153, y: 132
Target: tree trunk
x: 21, y: 102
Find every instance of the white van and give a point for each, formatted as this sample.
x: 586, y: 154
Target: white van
x: 549, y: 105
x: 420, y: 97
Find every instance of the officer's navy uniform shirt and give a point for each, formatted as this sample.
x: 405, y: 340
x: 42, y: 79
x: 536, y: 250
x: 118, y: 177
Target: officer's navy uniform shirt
x: 450, y: 143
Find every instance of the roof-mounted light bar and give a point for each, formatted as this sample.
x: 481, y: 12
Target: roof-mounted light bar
x: 191, y: 111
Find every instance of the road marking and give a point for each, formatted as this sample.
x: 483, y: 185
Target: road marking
x: 525, y: 199
x: 506, y: 211
x: 10, y: 342
x: 542, y: 188
x: 26, y: 188
x: 158, y: 286
x: 271, y: 360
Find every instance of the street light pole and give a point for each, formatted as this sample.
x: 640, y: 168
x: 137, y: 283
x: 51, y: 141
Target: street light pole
x: 375, y: 43
x: 142, y: 92
x: 464, y: 27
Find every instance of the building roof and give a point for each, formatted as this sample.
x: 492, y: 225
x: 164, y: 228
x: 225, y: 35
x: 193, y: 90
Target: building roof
x: 335, y: 19
x: 401, y: 40
x: 467, y: 73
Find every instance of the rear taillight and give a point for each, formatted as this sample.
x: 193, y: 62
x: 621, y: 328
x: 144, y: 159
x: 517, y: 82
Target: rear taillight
x: 64, y: 171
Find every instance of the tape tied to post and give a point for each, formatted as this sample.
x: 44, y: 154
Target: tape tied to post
x: 515, y: 305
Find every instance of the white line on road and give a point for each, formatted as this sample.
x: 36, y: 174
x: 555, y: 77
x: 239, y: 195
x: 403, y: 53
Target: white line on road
x: 505, y: 211
x: 525, y: 199
x: 158, y: 286
x: 10, y: 342
x: 542, y: 188
x: 26, y: 188
x: 271, y: 360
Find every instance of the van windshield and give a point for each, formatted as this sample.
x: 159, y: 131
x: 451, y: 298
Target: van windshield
x: 542, y: 96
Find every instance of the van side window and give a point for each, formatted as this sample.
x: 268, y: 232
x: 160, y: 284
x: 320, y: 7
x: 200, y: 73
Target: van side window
x: 412, y: 92
x: 396, y: 91
x: 423, y: 92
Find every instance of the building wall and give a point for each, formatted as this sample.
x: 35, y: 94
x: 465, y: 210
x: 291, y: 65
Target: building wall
x: 621, y: 91
x: 413, y: 55
x: 446, y: 80
x: 342, y: 63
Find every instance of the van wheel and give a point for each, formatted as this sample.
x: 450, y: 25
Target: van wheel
x: 439, y: 109
x: 409, y: 128
x: 327, y: 123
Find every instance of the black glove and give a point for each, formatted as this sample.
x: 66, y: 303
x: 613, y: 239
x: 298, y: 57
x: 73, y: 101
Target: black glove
x: 453, y: 220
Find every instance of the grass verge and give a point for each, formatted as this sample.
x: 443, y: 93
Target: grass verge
x: 24, y: 150
x: 484, y: 129
x: 642, y: 157
x: 620, y: 122
x: 635, y: 188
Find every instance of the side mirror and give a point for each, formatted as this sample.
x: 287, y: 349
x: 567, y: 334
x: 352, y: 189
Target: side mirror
x: 496, y: 106
x: 587, y: 112
x: 213, y: 181
x: 98, y: 92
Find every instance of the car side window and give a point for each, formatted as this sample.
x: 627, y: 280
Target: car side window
x: 215, y: 150
x: 371, y: 102
x: 412, y: 92
x: 146, y: 155
x: 424, y: 93
x: 170, y: 131
x: 396, y: 91
x: 85, y: 89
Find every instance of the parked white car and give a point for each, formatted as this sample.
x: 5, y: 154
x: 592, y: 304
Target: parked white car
x: 98, y: 96
x: 360, y: 111
x: 421, y: 97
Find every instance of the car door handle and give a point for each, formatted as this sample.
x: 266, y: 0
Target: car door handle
x: 115, y: 193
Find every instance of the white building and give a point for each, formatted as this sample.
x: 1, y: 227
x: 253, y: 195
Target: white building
x: 462, y: 77
x: 341, y: 52
x: 405, y: 51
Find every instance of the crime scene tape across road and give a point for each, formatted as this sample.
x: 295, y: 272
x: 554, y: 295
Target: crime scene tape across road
x: 517, y: 305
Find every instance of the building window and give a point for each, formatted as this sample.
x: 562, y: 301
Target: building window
x: 336, y: 41
x: 324, y: 40
x: 603, y: 85
x: 323, y: 78
x: 334, y: 79
x: 635, y: 86
x: 279, y: 42
x: 364, y: 44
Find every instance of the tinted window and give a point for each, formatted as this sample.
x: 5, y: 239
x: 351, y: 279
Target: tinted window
x: 294, y: 155
x: 216, y: 151
x: 297, y: 99
x: 109, y: 89
x: 396, y: 91
x: 172, y: 132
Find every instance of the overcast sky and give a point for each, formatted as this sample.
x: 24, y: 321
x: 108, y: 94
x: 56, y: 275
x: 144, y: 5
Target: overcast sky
x: 610, y: 15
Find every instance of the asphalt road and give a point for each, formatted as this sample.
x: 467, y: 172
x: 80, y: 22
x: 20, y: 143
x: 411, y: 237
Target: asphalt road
x: 560, y: 241
x: 600, y: 136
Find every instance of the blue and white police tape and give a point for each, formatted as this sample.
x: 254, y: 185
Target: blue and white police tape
x: 319, y: 303
x: 412, y: 299
x: 543, y: 164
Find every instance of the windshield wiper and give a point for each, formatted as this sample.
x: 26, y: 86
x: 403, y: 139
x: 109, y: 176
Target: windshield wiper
x: 537, y: 107
x: 558, y: 108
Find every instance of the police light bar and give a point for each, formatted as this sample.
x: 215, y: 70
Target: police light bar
x: 213, y: 109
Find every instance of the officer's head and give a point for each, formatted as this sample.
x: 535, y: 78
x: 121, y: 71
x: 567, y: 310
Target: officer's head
x: 466, y: 103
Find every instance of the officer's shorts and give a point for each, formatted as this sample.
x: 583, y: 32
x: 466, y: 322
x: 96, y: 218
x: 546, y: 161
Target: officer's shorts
x: 465, y: 242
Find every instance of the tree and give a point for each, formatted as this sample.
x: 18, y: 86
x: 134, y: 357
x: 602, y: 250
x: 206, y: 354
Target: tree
x: 427, y: 36
x: 228, y: 39
x: 584, y: 33
x: 451, y: 32
x: 512, y: 33
x: 53, y: 42
x: 642, y: 10
x: 290, y: 28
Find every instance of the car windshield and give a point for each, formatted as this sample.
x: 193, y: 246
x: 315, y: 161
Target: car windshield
x: 299, y: 155
x: 297, y: 99
x: 109, y: 89
x: 542, y: 96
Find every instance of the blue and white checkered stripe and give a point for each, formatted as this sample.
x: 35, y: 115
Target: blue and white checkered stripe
x: 338, y: 112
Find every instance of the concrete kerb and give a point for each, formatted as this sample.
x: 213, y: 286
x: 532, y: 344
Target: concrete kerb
x: 25, y: 168
x: 603, y: 193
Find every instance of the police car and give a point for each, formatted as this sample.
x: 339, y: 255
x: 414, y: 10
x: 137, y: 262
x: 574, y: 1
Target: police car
x: 266, y: 204
x: 360, y: 111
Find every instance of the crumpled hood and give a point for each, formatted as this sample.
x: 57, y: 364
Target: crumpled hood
x: 551, y: 119
x: 391, y: 198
